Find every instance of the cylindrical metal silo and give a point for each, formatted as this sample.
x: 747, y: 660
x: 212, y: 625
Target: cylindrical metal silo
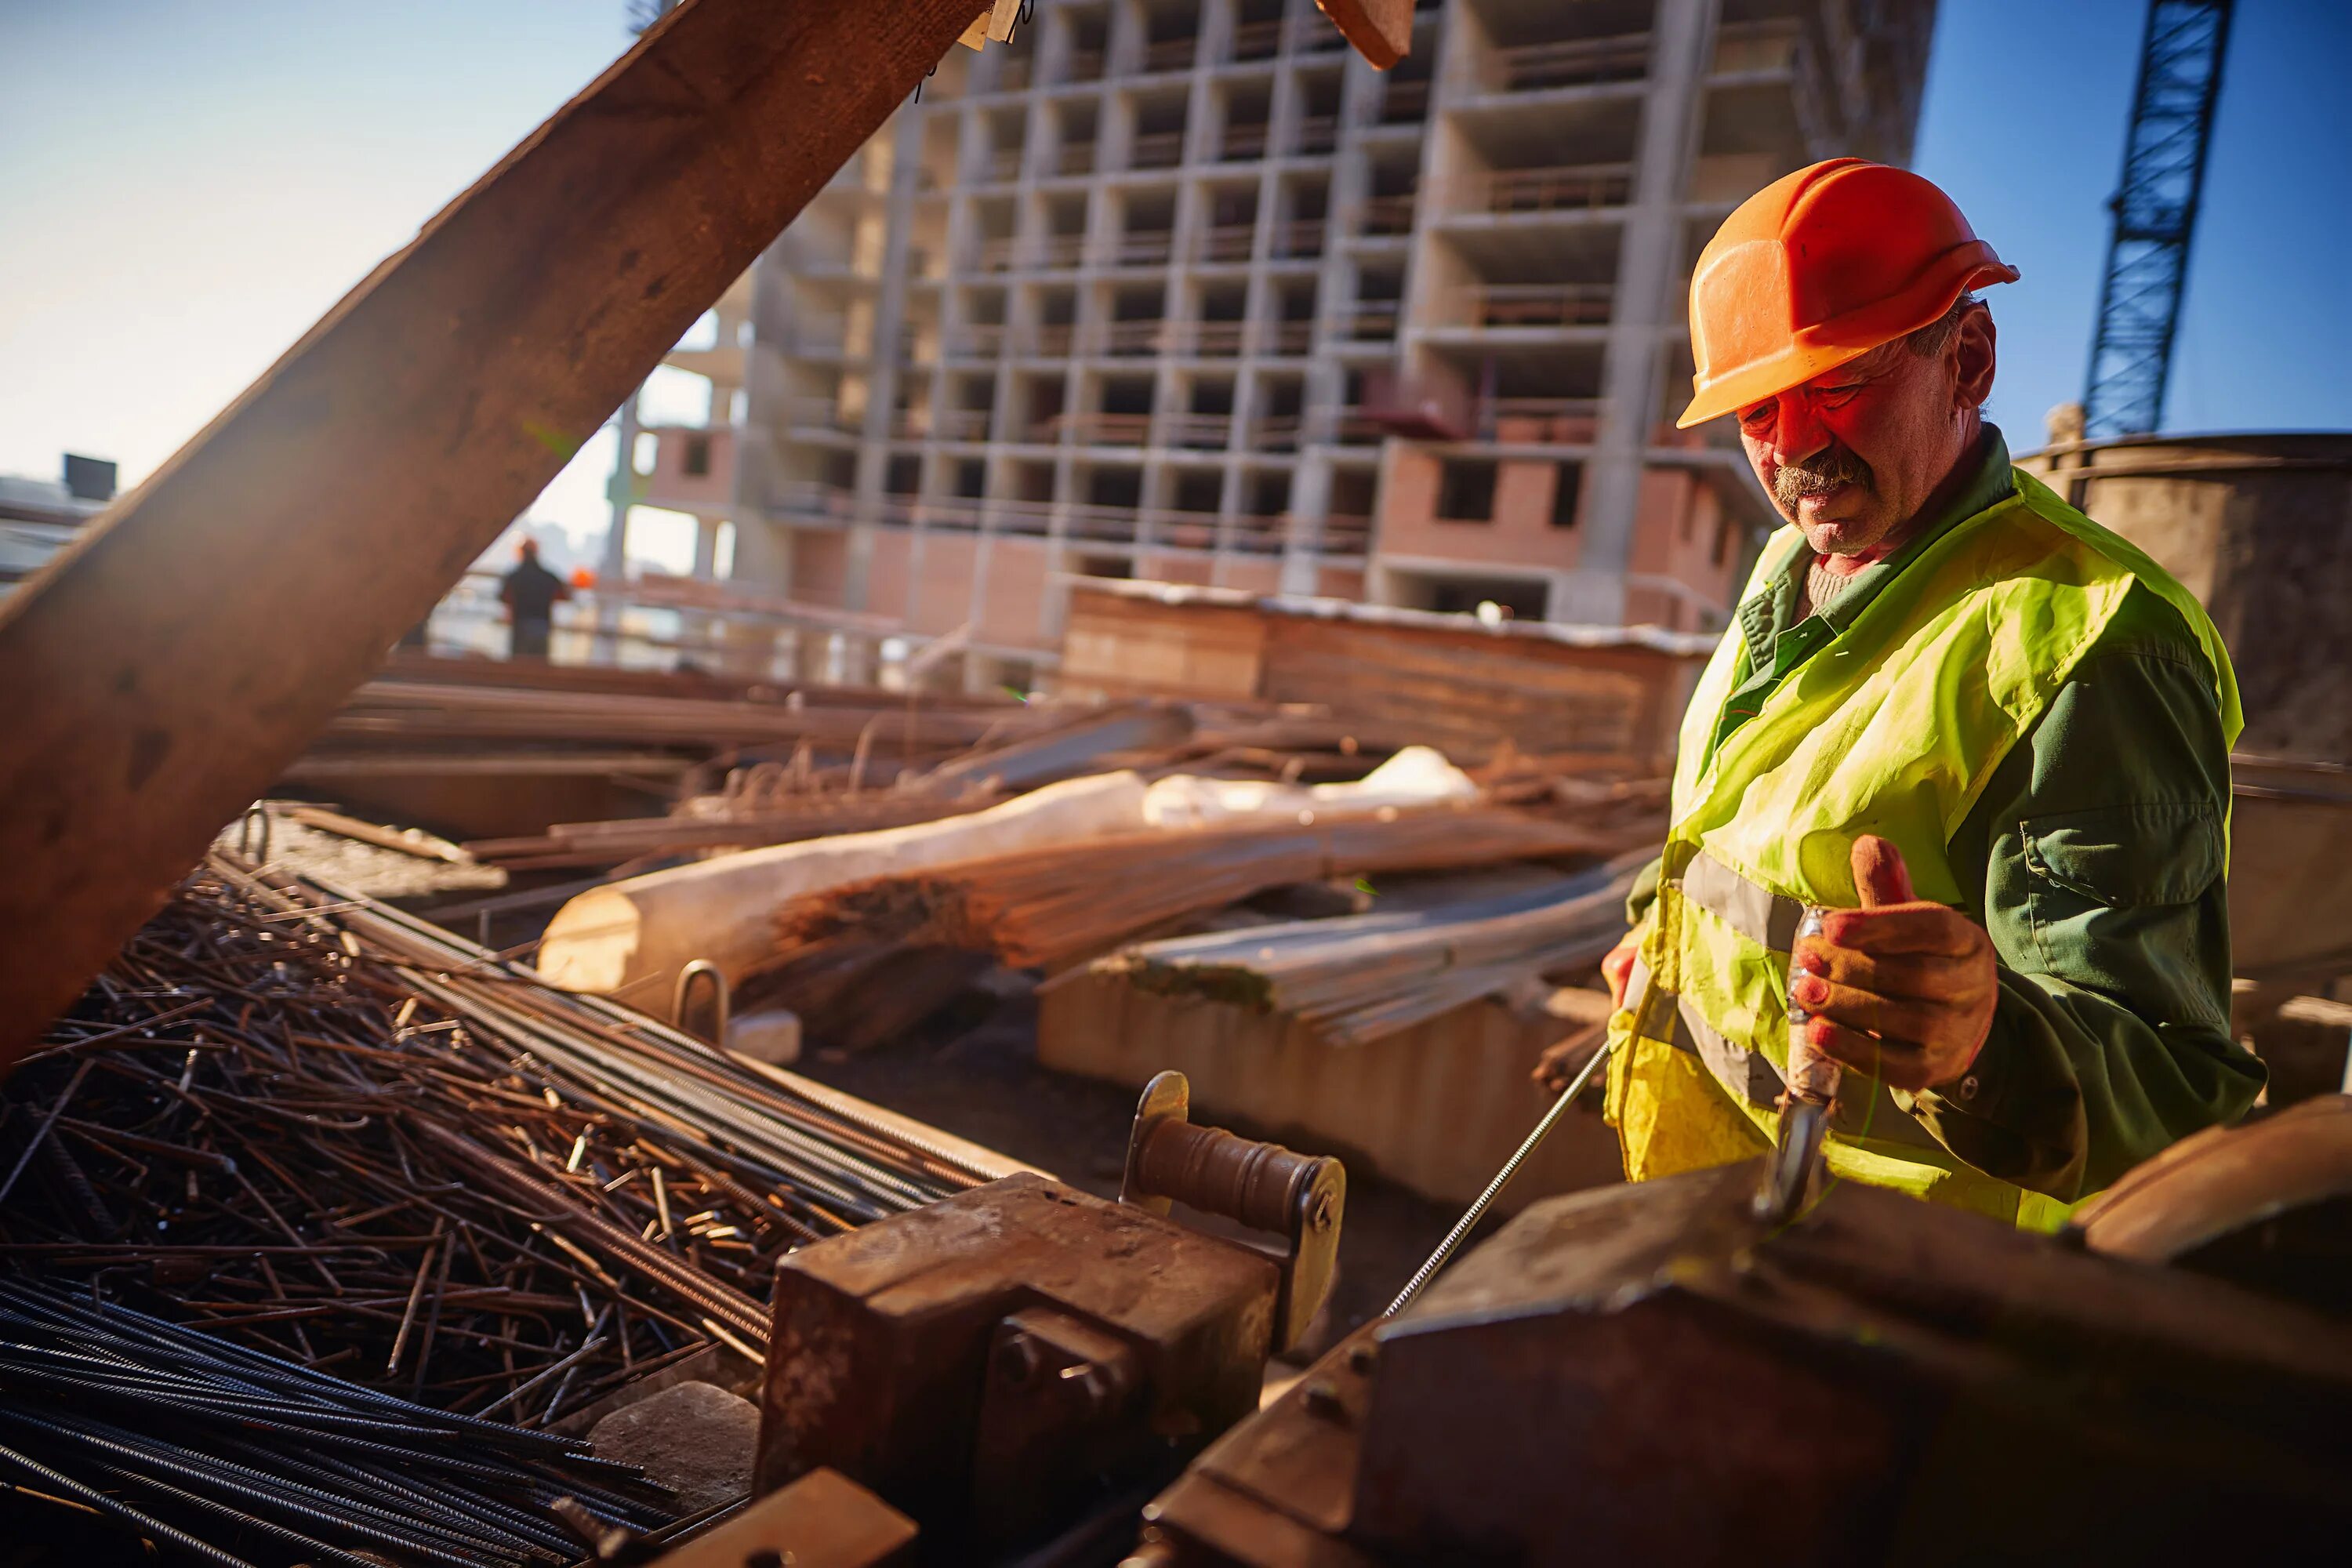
x: 2259, y: 527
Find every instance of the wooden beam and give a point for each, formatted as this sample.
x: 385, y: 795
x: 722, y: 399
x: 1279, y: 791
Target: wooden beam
x: 161, y: 672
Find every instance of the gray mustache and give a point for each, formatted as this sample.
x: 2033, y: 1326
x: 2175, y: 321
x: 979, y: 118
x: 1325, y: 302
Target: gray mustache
x: 1828, y: 470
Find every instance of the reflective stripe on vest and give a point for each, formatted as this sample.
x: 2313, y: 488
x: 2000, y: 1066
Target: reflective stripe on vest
x: 1768, y: 920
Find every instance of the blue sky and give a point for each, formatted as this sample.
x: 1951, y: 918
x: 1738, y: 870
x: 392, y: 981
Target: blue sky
x: 185, y: 187
x: 2024, y: 125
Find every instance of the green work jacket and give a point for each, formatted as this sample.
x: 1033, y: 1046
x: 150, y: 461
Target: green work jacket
x: 2096, y: 861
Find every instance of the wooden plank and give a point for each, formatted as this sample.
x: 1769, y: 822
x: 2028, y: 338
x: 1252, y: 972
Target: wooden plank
x: 168, y: 666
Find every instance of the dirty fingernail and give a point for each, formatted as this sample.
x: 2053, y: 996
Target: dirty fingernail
x: 1810, y: 991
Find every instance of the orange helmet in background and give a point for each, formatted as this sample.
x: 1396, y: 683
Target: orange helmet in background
x: 1819, y: 268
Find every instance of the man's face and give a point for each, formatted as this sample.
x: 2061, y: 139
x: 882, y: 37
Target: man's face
x: 1853, y: 454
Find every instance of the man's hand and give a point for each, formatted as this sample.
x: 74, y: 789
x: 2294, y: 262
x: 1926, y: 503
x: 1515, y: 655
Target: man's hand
x: 1918, y: 976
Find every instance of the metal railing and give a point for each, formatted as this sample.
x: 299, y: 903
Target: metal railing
x: 1342, y: 535
x: 1389, y: 214
x: 1156, y: 149
x: 1346, y: 425
x: 1199, y: 432
x: 1153, y: 335
x: 1228, y: 241
x: 1345, y: 536
x: 1513, y: 305
x: 1139, y: 335
x: 1018, y: 253
x: 1566, y: 187
x: 1140, y: 246
x: 1074, y: 158
x: 1319, y: 132
x: 1257, y: 40
x: 1054, y: 251
x: 1575, y: 62
x: 1301, y: 239
x: 1095, y: 427
x: 1276, y: 432
x: 1170, y: 54
x: 1247, y: 139
x: 1371, y: 320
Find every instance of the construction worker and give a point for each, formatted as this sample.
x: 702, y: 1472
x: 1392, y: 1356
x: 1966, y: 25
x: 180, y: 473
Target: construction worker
x: 531, y: 593
x: 2031, y: 994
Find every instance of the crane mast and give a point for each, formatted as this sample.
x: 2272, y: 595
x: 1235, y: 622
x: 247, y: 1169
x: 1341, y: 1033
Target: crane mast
x: 2154, y: 213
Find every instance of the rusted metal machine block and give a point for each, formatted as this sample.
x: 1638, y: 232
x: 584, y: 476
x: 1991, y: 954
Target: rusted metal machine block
x: 1649, y: 1375
x: 993, y: 1361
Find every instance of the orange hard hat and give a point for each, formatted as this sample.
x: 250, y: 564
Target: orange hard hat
x: 1819, y: 268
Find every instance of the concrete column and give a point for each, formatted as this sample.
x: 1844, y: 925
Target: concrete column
x: 1647, y: 308
x: 882, y: 382
x: 1335, y: 303
x: 614, y: 571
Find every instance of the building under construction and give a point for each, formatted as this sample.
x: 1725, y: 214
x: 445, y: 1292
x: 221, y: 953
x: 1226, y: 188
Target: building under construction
x: 1189, y: 292
x: 330, y: 1235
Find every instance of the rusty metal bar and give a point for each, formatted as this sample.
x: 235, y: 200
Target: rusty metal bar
x: 162, y: 671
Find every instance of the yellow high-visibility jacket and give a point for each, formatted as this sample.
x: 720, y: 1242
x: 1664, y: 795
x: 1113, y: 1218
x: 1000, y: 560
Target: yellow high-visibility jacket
x: 1893, y: 729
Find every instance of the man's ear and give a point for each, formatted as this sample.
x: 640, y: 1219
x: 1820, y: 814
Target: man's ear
x: 1973, y: 350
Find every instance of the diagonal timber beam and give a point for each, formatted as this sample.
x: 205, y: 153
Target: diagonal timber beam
x: 162, y: 673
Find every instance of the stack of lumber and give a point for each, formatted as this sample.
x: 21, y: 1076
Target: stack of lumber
x: 1359, y: 979
x: 861, y: 961
x: 756, y: 802
x: 476, y: 749
x: 409, y: 711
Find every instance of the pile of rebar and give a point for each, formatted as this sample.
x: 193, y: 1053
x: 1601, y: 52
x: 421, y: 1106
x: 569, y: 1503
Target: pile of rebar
x: 345, y: 1137
x: 211, y: 1450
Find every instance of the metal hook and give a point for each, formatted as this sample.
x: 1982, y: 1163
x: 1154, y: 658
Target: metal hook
x: 253, y: 834
x: 701, y: 968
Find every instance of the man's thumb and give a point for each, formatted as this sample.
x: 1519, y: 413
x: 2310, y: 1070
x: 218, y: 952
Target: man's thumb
x: 1879, y: 874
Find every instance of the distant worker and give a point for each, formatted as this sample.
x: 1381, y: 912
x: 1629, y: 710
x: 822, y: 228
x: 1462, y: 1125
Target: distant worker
x: 531, y: 593
x: 1940, y: 655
